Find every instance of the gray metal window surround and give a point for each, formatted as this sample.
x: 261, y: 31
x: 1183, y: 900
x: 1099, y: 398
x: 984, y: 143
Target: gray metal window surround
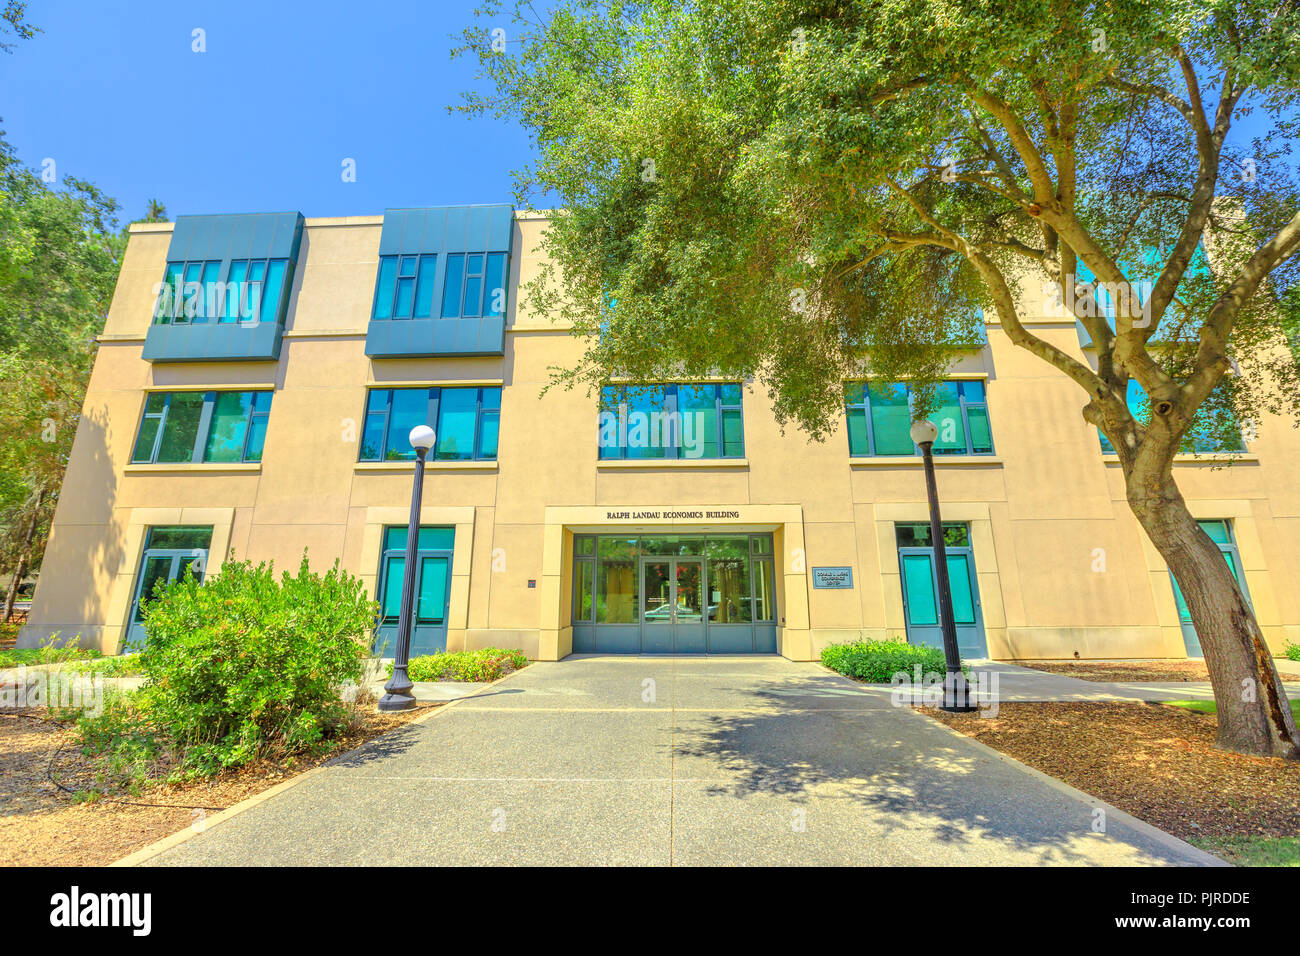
x: 225, y: 239
x: 439, y: 236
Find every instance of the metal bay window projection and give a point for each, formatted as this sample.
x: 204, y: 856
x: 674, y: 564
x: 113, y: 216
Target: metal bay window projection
x: 179, y: 427
x: 880, y: 417
x: 1205, y: 436
x: 671, y: 421
x: 225, y: 291
x: 466, y: 420
x: 442, y: 283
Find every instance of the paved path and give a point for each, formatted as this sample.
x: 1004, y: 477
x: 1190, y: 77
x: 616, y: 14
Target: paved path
x: 640, y: 760
x: 1013, y: 683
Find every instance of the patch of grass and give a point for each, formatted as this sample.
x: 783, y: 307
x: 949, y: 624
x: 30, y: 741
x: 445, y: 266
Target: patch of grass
x: 877, y: 662
x: 1252, y: 850
x: 123, y: 665
x: 48, y: 654
x: 481, y: 666
x: 1209, y: 707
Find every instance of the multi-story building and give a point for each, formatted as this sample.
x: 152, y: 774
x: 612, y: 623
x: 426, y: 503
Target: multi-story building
x: 258, y: 406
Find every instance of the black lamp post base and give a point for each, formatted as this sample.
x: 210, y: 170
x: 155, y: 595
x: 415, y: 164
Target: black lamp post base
x: 957, y: 695
x: 393, y: 702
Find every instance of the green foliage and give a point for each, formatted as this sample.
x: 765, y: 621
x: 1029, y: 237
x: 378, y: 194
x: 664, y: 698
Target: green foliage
x: 120, y: 665
x: 48, y: 653
x: 877, y: 662
x: 791, y: 191
x: 127, y: 740
x: 246, y: 664
x: 13, y: 21
x: 488, y: 664
x: 1293, y: 651
x: 60, y: 251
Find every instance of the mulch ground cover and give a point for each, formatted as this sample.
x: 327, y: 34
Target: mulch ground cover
x: 1154, y: 761
x: 41, y: 824
x: 1130, y: 670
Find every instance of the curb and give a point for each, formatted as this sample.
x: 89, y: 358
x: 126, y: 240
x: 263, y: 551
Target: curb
x: 144, y: 854
x: 1154, y: 833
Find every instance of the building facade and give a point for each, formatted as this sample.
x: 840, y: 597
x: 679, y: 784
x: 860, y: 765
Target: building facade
x: 257, y: 406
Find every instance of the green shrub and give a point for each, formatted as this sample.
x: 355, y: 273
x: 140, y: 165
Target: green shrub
x: 127, y: 739
x: 876, y: 662
x: 246, y: 665
x: 480, y: 666
x: 1293, y: 651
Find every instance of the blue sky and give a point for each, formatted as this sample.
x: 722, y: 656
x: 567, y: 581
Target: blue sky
x: 263, y: 120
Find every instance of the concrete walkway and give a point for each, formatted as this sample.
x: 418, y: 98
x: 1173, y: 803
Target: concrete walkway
x: 1013, y: 683
x: 652, y: 760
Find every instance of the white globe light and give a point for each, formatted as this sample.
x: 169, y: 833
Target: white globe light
x: 924, y: 432
x: 422, y: 436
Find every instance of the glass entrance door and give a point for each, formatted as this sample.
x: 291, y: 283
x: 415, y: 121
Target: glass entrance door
x: 432, y: 588
x: 1220, y: 533
x: 688, y: 608
x: 921, y: 601
x: 168, y: 554
x: 672, y: 611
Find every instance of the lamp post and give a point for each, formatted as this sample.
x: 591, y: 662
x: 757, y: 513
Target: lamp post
x: 956, y: 692
x: 398, y: 694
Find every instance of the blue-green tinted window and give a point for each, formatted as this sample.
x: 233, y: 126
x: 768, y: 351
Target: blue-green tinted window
x: 1202, y: 438
x: 879, y: 418
x: 404, y: 288
x: 475, y: 285
x: 179, y: 427
x: 671, y: 421
x: 429, y: 539
x: 249, y: 291
x: 466, y: 421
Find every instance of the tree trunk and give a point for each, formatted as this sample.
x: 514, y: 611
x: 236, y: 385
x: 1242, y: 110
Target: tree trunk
x: 1254, y: 715
x: 24, y: 557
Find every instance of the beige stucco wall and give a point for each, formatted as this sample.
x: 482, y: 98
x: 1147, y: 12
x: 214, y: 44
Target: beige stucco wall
x: 1041, y: 511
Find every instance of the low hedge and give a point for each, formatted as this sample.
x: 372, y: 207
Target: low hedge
x: 876, y: 662
x: 488, y: 664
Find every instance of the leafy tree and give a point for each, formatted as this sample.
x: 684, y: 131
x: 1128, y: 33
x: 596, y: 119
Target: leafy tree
x: 60, y: 251
x: 155, y: 212
x: 13, y: 21
x: 799, y: 191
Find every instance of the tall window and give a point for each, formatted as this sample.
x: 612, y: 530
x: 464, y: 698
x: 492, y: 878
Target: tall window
x: 251, y: 290
x: 880, y: 419
x: 404, y: 289
x: 475, y: 285
x: 1208, y: 433
x: 202, y: 427
x: 466, y: 421
x: 671, y: 421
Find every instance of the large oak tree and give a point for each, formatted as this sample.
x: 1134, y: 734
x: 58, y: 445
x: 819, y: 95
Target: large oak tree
x: 786, y: 189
